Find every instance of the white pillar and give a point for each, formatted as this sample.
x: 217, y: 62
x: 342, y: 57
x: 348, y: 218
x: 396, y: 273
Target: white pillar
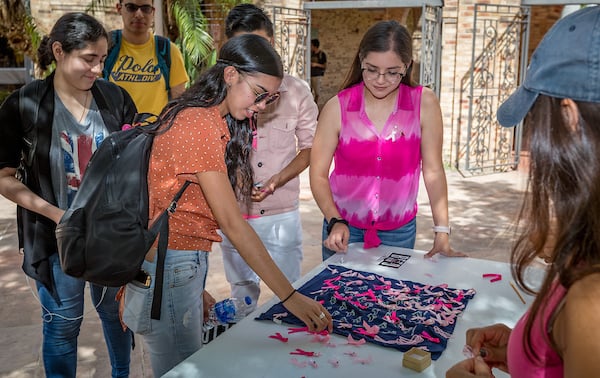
x: 158, y: 18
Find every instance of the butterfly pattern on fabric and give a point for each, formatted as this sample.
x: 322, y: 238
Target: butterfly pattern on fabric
x: 384, y: 311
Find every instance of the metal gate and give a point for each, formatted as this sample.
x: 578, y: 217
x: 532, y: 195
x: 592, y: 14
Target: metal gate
x: 499, y: 59
x: 431, y: 30
x: 291, y: 38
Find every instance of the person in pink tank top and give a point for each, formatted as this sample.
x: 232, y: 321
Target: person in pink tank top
x: 380, y: 131
x: 559, y: 222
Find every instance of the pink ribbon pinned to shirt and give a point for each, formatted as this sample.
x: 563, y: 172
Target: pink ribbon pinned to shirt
x: 252, y: 121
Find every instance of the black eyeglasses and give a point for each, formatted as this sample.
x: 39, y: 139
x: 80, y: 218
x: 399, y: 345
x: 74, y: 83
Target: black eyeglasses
x: 132, y: 8
x: 264, y: 96
x: 372, y: 74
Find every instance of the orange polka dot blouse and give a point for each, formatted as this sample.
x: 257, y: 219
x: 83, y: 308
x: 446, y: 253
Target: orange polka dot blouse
x: 195, y: 143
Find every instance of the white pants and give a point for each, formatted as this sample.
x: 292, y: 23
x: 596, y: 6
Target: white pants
x: 282, y: 236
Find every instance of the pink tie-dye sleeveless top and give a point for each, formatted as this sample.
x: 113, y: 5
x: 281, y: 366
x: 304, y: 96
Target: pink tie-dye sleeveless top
x: 375, y: 179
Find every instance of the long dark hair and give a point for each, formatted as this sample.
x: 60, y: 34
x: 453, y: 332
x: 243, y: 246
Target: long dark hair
x: 381, y: 37
x: 74, y: 31
x: 561, y: 209
x: 248, y: 53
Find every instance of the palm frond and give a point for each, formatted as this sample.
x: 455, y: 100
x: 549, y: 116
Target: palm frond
x: 19, y: 28
x: 194, y: 41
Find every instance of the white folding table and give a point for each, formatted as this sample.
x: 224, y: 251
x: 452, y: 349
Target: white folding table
x: 245, y: 350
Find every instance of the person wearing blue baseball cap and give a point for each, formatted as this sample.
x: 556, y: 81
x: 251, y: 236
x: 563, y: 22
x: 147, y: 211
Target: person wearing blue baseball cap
x: 559, y: 101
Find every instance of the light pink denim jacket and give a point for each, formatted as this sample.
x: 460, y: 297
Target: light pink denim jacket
x: 284, y: 128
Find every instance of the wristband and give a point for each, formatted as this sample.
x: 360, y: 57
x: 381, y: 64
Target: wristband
x: 443, y: 229
x: 333, y: 221
x: 289, y: 296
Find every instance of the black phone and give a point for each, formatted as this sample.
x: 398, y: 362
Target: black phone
x: 143, y: 278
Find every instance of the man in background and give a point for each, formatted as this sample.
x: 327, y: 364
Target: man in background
x: 318, y: 65
x: 150, y: 68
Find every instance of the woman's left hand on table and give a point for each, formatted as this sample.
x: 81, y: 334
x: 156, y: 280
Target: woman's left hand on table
x: 441, y: 245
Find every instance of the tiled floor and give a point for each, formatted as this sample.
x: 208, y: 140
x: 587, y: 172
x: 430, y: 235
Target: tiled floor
x: 482, y: 210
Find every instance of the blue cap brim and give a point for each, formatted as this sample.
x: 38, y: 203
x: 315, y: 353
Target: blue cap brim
x: 516, y: 107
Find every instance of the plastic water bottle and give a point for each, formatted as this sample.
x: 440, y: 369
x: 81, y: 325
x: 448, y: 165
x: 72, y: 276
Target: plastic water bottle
x: 230, y: 310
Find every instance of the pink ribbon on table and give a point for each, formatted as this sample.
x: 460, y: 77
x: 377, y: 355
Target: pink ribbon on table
x: 494, y: 276
x: 279, y: 336
x: 427, y: 336
x: 305, y: 329
x: 307, y: 353
x: 358, y: 342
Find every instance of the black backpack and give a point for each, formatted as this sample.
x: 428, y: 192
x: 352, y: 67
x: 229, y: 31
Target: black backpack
x: 103, y: 237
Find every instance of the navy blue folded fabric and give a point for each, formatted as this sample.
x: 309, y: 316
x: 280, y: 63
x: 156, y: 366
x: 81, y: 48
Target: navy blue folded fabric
x: 384, y: 311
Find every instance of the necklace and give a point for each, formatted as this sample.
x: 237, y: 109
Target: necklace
x: 87, y: 94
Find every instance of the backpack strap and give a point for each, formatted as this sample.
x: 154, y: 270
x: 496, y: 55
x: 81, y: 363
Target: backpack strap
x: 163, y: 240
x: 163, y: 56
x: 35, y: 110
x: 114, y: 107
x: 29, y: 109
x: 113, y: 53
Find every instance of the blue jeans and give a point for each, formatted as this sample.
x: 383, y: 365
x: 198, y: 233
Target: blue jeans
x: 178, y: 333
x: 404, y: 237
x: 62, y: 321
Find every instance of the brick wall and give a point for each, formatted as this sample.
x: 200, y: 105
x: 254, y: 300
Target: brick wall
x: 46, y: 12
x: 542, y: 19
x: 340, y: 32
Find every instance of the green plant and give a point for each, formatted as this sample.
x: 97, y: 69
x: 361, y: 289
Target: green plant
x: 4, y: 94
x: 194, y: 41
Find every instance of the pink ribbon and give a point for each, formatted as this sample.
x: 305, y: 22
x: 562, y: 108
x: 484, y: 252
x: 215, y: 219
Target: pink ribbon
x: 302, y: 352
x: 279, y: 337
x: 371, y: 238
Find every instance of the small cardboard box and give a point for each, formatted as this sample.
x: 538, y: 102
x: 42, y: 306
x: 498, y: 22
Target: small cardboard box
x: 416, y: 359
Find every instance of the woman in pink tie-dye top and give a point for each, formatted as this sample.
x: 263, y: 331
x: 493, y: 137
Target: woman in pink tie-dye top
x: 559, y: 335
x: 380, y: 131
